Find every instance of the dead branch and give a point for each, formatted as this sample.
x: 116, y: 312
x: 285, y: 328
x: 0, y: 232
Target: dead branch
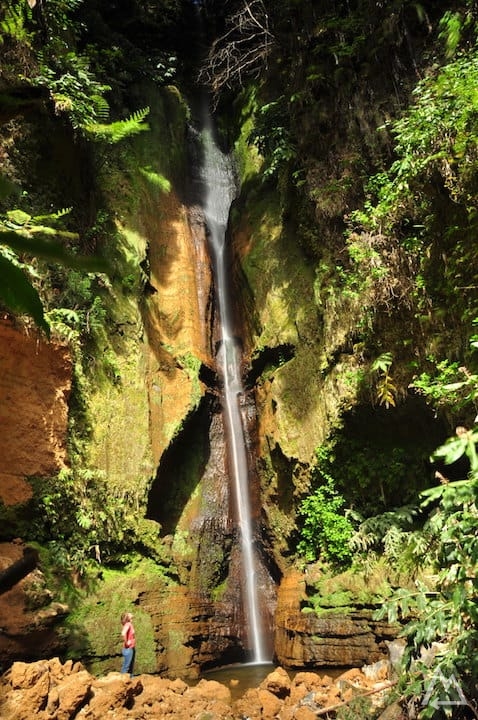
x: 241, y: 52
x: 332, y: 708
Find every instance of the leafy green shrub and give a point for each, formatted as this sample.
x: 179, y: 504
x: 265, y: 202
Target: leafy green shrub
x: 436, y: 134
x: 325, y: 530
x: 424, y: 201
x: 451, y: 387
x: 81, y: 522
x: 75, y: 90
x: 13, y: 23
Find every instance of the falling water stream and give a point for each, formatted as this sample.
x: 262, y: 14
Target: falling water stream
x: 218, y: 179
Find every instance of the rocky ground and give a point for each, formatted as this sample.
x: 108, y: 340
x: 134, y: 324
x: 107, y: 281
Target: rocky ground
x: 50, y: 690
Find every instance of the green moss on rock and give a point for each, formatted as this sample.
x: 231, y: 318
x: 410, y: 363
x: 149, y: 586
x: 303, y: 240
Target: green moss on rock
x: 94, y: 629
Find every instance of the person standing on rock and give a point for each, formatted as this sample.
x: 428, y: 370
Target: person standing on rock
x: 129, y: 643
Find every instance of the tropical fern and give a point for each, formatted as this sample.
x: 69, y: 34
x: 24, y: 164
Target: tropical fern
x: 156, y: 179
x: 100, y: 106
x: 19, y: 234
x: 13, y: 23
x: 112, y: 133
x: 64, y: 322
x: 73, y: 87
x: 51, y: 218
x: 17, y: 292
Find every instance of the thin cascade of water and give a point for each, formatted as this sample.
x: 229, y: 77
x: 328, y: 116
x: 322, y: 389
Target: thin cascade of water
x: 218, y: 179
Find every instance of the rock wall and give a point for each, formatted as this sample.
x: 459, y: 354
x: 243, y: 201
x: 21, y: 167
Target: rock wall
x: 156, y: 427
x: 331, y: 639
x: 35, y: 385
x: 30, y: 615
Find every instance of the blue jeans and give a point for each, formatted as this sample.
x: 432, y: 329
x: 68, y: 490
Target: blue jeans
x: 128, y: 660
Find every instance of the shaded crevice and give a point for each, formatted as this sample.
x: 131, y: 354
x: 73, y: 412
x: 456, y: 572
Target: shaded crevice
x: 208, y: 376
x: 181, y: 468
x: 380, y: 460
x: 265, y: 549
x: 269, y: 357
x: 284, y: 471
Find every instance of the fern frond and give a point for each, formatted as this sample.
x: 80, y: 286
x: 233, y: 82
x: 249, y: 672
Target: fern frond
x: 51, y: 217
x: 101, y: 107
x: 114, y: 132
x: 13, y: 24
x: 156, y: 179
x: 383, y: 362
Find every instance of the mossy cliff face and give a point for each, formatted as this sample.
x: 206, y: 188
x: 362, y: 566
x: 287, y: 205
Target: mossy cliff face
x: 300, y: 394
x: 160, y: 343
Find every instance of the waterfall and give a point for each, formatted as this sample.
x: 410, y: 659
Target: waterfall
x: 218, y: 180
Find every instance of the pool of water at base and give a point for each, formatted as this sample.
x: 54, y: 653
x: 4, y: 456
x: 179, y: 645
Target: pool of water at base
x: 240, y: 678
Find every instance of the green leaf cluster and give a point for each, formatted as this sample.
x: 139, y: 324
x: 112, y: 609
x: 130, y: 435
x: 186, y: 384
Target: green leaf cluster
x: 325, y: 530
x: 22, y: 236
x: 112, y: 133
x: 271, y: 135
x: 438, y: 133
x: 425, y: 201
x: 14, y: 22
x: 387, y: 535
x: 74, y: 88
x: 80, y: 522
x: 452, y: 386
x: 385, y: 388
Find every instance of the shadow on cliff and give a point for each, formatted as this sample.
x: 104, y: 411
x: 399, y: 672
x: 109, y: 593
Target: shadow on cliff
x: 380, y: 460
x: 180, y: 470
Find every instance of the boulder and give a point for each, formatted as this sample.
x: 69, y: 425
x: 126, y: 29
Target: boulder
x: 278, y: 683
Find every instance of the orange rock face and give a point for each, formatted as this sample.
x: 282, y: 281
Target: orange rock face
x: 35, y: 383
x: 303, y: 640
x: 176, y: 321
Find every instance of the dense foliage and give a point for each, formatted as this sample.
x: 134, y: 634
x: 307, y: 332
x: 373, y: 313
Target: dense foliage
x: 430, y: 582
x: 62, y: 55
x: 440, y: 613
x: 409, y: 246
x: 387, y: 218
